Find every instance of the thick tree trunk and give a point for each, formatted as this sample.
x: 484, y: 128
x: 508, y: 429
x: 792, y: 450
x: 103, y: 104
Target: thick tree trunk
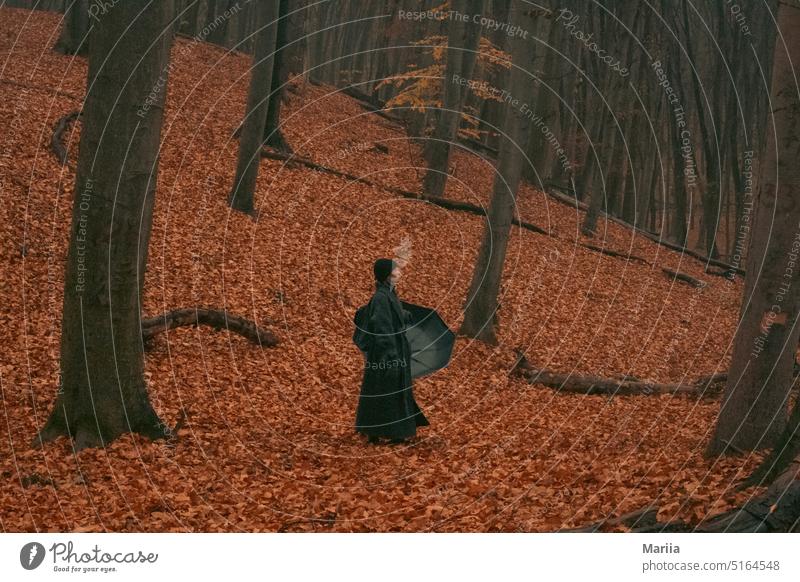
x: 603, y: 126
x: 74, y: 37
x: 463, y: 40
x: 675, y: 119
x: 244, y: 184
x: 187, y: 10
x: 785, y: 451
x: 754, y: 411
x: 480, y: 316
x: 103, y: 392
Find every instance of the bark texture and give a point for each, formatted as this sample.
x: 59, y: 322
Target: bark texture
x: 480, y: 316
x: 755, y: 408
x: 251, y: 139
x: 103, y: 392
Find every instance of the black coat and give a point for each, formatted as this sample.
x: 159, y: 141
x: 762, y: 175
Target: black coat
x: 386, y: 406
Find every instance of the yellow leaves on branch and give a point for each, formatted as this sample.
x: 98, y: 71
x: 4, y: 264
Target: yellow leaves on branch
x: 421, y: 86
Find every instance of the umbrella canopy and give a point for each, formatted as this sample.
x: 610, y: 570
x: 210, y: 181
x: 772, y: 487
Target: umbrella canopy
x: 430, y: 339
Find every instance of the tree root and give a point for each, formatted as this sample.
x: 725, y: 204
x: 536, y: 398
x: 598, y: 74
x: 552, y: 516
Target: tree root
x: 85, y: 433
x: 777, y: 510
x: 278, y: 141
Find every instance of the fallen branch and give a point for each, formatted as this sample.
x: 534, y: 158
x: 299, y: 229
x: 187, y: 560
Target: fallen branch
x: 493, y: 152
x: 375, y: 105
x: 371, y: 104
x: 721, y: 273
x: 575, y: 203
x: 217, y: 319
x: 592, y: 385
x: 57, y: 140
x: 293, y: 159
x: 706, y: 381
x: 685, y: 278
x: 617, y: 254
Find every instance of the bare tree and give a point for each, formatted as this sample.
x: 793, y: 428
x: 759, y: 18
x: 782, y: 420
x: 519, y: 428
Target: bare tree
x: 103, y: 392
x: 251, y: 139
x: 289, y: 52
x: 754, y: 408
x: 74, y: 37
x: 462, y: 45
x: 480, y: 316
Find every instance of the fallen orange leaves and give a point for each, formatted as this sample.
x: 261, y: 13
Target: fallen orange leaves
x: 269, y: 443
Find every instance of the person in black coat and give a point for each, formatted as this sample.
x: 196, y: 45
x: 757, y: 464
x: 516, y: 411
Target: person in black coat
x: 386, y: 405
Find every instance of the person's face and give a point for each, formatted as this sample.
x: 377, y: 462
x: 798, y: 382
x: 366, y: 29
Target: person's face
x: 395, y: 276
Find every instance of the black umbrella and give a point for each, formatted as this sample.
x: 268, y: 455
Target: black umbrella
x: 430, y: 339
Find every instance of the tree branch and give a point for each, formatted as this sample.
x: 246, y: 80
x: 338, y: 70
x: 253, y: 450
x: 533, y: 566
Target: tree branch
x: 214, y: 318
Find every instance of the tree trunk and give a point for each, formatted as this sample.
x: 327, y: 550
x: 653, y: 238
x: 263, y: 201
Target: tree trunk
x: 250, y: 142
x: 598, y: 143
x: 187, y: 10
x: 462, y: 41
x: 711, y: 151
x: 540, y: 151
x: 754, y: 409
x: 103, y: 392
x: 74, y: 37
x: 585, y: 185
x: 289, y: 52
x: 480, y: 317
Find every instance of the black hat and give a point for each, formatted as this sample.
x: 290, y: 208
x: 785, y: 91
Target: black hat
x: 382, y: 269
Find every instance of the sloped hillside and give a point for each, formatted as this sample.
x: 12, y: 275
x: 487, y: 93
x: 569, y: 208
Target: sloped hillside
x: 269, y: 442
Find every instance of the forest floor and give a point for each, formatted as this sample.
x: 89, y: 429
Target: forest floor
x: 269, y: 443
